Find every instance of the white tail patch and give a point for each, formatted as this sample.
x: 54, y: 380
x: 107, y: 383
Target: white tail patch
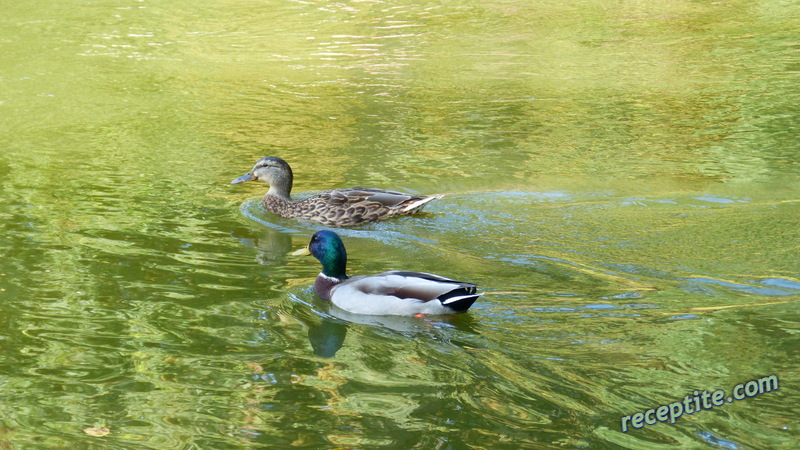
x: 460, y: 297
x: 417, y: 205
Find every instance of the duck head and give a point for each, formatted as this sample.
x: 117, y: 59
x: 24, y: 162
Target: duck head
x: 328, y: 248
x: 272, y: 170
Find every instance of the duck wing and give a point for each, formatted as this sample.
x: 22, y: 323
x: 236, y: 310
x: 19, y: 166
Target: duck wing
x: 404, y: 293
x: 347, y: 207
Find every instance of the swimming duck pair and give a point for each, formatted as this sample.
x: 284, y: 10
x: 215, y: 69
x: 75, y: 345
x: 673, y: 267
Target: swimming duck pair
x: 388, y: 293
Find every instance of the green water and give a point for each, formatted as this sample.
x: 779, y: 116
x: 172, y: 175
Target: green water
x: 622, y: 180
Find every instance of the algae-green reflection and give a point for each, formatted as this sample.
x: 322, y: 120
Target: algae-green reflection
x: 622, y: 182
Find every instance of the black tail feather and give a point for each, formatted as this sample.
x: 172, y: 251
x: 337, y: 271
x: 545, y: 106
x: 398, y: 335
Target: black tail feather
x: 460, y: 299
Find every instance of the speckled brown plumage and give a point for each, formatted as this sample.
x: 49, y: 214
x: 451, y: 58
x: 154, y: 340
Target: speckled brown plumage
x: 333, y: 208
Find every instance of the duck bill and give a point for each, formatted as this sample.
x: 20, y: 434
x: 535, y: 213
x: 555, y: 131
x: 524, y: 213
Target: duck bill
x: 244, y: 178
x: 302, y: 252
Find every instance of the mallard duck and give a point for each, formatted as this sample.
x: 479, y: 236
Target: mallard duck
x: 389, y: 293
x: 333, y: 208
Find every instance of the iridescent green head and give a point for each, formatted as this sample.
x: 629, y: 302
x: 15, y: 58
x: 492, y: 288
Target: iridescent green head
x: 328, y: 248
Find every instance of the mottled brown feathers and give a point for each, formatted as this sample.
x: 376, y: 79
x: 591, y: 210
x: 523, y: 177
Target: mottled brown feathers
x: 348, y: 207
x: 333, y: 208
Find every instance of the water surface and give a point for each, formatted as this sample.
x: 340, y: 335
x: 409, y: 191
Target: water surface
x: 621, y: 181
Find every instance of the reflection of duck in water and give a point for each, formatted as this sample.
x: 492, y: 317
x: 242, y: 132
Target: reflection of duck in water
x: 328, y: 326
x: 327, y: 337
x: 272, y: 245
x: 333, y: 208
x: 390, y: 293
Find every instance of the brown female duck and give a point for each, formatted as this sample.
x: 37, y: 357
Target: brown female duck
x: 332, y: 208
